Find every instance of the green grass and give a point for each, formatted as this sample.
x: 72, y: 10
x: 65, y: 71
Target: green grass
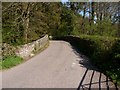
x: 10, y: 61
x: 0, y: 64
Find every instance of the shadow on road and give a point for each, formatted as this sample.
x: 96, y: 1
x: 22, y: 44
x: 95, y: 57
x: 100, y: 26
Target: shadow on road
x: 102, y: 83
x: 90, y: 85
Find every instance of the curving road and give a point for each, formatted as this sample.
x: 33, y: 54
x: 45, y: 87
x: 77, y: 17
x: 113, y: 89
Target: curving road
x: 59, y: 66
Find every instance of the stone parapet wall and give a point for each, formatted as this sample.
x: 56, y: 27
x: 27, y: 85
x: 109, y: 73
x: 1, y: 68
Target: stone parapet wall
x: 28, y: 50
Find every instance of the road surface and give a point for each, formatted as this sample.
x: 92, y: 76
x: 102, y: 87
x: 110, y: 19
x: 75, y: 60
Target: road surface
x: 59, y: 66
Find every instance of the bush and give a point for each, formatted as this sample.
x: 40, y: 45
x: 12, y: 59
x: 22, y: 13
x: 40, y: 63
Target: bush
x: 104, y: 52
x: 7, y: 50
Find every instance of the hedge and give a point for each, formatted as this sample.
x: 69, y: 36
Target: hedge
x: 104, y: 52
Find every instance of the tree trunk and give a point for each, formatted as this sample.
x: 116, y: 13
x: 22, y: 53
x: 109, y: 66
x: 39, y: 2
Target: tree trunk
x: 26, y: 12
x: 119, y: 20
x: 83, y: 23
x: 89, y: 17
x: 92, y: 19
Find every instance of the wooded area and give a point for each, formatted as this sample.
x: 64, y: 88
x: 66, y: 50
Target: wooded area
x: 26, y: 22
x: 97, y: 24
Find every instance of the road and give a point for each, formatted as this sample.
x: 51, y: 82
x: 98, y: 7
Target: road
x: 59, y: 66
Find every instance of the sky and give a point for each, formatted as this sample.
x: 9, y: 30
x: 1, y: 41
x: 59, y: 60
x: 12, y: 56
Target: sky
x: 87, y: 14
x: 64, y: 0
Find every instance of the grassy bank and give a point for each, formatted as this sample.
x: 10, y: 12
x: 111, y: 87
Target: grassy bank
x: 10, y: 61
x: 104, y: 52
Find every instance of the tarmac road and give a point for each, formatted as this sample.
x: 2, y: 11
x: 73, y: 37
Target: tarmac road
x: 59, y: 66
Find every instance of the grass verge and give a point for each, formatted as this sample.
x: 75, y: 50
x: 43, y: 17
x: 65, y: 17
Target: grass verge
x: 10, y: 61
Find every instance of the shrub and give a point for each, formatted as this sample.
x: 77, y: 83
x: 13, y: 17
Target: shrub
x: 7, y: 50
x: 104, y: 52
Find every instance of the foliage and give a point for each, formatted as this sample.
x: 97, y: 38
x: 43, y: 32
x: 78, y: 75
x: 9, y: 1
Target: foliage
x: 66, y: 26
x: 11, y: 61
x: 7, y: 50
x: 25, y: 22
x: 104, y: 52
